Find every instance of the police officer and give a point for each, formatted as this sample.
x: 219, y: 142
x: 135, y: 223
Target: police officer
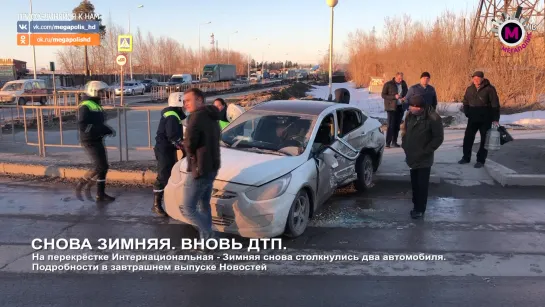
x: 222, y: 106
x: 167, y: 142
x: 92, y: 130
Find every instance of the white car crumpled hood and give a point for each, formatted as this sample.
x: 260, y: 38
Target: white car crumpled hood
x: 250, y: 168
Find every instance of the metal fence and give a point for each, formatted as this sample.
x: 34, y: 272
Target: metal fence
x: 163, y: 91
x: 45, y: 114
x: 60, y: 109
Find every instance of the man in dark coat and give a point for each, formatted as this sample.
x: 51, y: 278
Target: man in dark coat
x: 422, y: 135
x: 202, y: 144
x: 393, y: 93
x: 342, y: 95
x: 167, y: 142
x: 482, y: 109
x: 423, y: 89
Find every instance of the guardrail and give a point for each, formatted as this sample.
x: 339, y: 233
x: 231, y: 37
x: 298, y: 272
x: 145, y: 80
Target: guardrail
x: 46, y: 114
x: 162, y: 92
x: 61, y: 109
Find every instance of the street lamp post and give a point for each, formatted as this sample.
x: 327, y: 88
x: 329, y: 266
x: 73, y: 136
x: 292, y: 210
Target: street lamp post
x: 249, y: 60
x: 229, y: 46
x: 130, y: 53
x: 331, y: 4
x: 200, y: 53
x: 33, y: 47
x: 284, y: 68
x: 263, y: 64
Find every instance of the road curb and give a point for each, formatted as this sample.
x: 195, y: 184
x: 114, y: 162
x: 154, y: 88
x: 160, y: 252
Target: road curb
x: 54, y: 171
x: 402, y: 177
x: 508, y: 177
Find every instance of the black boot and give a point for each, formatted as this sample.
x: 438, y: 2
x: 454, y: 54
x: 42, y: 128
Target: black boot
x: 101, y: 195
x: 84, y: 183
x: 157, y: 204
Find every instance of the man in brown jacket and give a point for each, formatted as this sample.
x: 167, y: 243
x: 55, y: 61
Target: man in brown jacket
x: 422, y: 135
x: 202, y: 144
x: 393, y: 93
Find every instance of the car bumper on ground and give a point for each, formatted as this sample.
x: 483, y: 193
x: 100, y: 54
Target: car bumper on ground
x: 233, y: 212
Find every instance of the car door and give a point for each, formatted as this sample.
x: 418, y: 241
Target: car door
x: 326, y: 163
x: 348, y: 134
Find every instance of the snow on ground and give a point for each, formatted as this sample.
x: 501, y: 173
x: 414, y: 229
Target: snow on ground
x: 373, y: 105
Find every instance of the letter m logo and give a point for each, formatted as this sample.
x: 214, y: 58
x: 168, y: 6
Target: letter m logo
x: 511, y: 33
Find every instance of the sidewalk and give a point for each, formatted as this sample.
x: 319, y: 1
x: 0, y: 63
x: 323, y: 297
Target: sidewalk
x: 445, y: 169
x: 521, y: 162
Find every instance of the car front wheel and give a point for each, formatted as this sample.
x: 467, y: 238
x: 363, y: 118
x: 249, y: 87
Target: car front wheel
x: 21, y: 101
x: 364, y: 170
x: 132, y: 93
x: 299, y: 215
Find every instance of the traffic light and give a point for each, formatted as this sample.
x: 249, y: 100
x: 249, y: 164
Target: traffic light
x: 52, y: 66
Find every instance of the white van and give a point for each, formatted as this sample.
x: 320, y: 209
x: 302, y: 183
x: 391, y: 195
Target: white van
x: 14, y: 91
x: 181, y: 79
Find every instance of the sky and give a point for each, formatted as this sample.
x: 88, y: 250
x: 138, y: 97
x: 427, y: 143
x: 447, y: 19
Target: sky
x: 298, y: 28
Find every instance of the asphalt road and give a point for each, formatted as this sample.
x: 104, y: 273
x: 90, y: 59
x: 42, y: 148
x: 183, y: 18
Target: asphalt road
x: 492, y: 243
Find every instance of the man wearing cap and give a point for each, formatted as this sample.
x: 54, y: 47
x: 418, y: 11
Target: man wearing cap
x: 423, y: 89
x: 422, y: 134
x: 482, y: 109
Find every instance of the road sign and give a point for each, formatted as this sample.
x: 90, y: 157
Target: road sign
x: 124, y: 43
x: 121, y: 60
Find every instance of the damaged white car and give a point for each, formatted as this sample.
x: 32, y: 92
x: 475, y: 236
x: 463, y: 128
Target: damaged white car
x: 280, y: 161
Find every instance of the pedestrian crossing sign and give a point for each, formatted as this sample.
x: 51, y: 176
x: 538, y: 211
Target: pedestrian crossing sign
x: 124, y: 43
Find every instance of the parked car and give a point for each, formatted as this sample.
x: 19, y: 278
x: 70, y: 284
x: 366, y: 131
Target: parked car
x: 16, y: 91
x: 281, y: 161
x: 149, y: 83
x: 130, y: 88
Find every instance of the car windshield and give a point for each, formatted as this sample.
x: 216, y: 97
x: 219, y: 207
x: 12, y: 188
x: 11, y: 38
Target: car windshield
x: 128, y: 84
x: 177, y: 80
x: 269, y: 133
x: 146, y: 81
x: 13, y: 87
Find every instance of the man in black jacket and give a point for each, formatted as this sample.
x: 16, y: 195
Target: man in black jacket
x: 202, y: 144
x: 92, y: 130
x: 482, y: 109
x: 423, y: 134
x: 167, y: 142
x: 393, y: 93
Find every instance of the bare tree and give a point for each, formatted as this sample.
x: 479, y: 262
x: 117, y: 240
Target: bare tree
x: 441, y: 47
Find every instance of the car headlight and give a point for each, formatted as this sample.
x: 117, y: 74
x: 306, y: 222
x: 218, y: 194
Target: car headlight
x: 270, y: 190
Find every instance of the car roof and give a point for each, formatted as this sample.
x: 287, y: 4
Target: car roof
x: 24, y: 80
x: 306, y: 107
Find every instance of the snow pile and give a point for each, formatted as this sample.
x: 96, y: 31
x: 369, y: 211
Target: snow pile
x: 534, y: 119
x: 373, y: 105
